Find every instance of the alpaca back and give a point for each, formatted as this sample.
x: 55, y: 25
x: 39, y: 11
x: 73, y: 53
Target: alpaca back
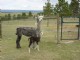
x: 27, y: 31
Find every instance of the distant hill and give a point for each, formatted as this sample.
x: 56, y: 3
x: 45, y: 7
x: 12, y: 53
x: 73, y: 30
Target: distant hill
x: 13, y: 11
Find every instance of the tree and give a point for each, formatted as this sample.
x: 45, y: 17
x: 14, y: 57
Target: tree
x: 6, y: 17
x: 9, y: 16
x: 65, y: 10
x: 62, y: 8
x: 56, y: 9
x: 24, y: 16
x: 48, y: 9
x: 30, y: 14
x: 14, y: 17
x: 19, y: 16
x: 74, y: 6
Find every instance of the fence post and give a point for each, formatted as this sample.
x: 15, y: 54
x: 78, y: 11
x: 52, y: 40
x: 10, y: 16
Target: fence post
x: 58, y: 24
x: 0, y: 29
x: 79, y: 28
x: 48, y: 23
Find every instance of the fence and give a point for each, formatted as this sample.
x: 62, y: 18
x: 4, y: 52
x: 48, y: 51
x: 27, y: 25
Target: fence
x: 70, y: 28
x: 0, y: 29
x: 58, y: 25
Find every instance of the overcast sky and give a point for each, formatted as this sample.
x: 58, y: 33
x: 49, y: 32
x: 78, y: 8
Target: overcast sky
x: 24, y: 4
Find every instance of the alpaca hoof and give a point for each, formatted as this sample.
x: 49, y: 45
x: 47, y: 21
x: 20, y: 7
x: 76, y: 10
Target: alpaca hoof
x: 18, y: 47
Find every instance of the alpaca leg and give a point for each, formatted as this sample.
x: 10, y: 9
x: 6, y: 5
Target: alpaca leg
x: 34, y: 45
x: 37, y: 47
x: 18, y: 42
x: 29, y: 50
x: 30, y: 43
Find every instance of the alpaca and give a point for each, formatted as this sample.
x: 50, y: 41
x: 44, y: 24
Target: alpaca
x: 33, y: 33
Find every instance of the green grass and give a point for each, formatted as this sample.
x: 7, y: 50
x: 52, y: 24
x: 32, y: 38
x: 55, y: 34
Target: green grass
x: 49, y: 50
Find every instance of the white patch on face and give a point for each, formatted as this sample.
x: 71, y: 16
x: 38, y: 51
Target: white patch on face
x: 40, y: 18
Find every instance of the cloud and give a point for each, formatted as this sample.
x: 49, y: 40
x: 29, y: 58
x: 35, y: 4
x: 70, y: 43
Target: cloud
x: 23, y: 4
x: 69, y: 1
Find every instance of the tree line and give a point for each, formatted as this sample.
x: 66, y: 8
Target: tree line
x: 16, y: 16
x: 67, y: 9
x: 63, y: 8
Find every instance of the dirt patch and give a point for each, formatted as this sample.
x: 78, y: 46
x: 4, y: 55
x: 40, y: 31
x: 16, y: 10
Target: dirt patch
x: 67, y: 42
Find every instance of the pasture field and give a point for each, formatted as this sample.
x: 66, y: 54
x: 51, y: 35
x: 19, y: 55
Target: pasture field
x: 49, y: 49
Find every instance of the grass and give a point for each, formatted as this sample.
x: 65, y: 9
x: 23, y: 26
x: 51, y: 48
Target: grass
x: 49, y: 50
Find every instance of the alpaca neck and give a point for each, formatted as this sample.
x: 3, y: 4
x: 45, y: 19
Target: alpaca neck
x: 38, y: 25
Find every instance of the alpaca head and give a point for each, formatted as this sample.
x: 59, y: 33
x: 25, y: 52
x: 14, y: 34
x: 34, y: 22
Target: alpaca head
x: 40, y: 17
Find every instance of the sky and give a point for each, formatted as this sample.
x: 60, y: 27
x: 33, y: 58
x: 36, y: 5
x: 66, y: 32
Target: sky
x: 24, y: 4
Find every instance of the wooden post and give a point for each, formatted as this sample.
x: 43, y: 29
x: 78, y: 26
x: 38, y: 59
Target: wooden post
x: 48, y: 23
x: 79, y: 28
x: 58, y: 24
x: 0, y: 29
